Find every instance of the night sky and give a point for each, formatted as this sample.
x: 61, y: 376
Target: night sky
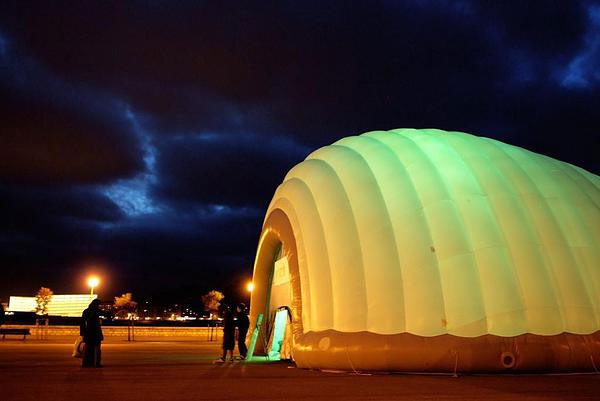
x: 144, y: 140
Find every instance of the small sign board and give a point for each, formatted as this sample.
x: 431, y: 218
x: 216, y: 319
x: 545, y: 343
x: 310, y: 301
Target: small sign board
x: 281, y: 273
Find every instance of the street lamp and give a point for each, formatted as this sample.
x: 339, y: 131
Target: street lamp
x: 93, y: 282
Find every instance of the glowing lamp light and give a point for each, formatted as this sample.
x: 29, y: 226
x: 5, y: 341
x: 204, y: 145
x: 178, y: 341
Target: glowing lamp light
x: 250, y: 286
x: 93, y: 282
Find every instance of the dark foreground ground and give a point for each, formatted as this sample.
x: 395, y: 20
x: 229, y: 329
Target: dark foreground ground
x: 152, y: 371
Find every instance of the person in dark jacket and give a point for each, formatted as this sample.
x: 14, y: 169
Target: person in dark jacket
x: 242, y: 323
x: 228, y: 335
x: 91, y: 331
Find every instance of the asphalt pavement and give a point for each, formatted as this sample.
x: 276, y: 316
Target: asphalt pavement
x: 155, y: 371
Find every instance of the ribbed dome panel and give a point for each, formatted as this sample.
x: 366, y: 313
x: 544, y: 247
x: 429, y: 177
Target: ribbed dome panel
x: 431, y: 232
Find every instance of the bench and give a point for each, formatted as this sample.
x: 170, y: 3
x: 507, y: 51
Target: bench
x: 14, y: 332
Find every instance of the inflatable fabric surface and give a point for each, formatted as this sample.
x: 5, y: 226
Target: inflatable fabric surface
x: 432, y: 234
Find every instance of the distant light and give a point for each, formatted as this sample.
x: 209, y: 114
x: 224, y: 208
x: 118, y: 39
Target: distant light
x: 93, y: 281
x: 250, y: 286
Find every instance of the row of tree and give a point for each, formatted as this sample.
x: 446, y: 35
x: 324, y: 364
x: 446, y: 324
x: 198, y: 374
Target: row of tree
x: 125, y: 306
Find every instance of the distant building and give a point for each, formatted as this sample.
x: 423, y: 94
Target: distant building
x: 60, y: 305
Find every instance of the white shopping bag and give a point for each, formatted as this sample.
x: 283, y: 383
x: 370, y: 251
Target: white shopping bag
x: 78, y: 348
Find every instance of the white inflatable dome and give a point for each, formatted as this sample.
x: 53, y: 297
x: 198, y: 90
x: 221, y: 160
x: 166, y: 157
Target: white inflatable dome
x: 412, y: 234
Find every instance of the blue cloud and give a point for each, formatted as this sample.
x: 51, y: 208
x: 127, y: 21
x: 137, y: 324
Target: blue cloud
x: 583, y: 71
x: 132, y: 195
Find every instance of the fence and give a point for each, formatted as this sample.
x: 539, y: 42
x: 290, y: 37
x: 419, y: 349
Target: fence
x: 139, y: 332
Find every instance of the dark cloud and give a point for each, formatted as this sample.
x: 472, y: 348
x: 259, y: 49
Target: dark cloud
x: 240, y: 170
x: 78, y: 231
x: 148, y: 138
x: 318, y: 72
x: 58, y: 203
x: 55, y: 131
x: 46, y: 231
x: 44, y: 143
x: 187, y: 249
x: 548, y: 28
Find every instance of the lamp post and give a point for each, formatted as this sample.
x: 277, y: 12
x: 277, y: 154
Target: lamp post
x: 93, y: 282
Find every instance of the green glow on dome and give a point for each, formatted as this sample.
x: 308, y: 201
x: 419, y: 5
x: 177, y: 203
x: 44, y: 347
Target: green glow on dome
x: 431, y: 232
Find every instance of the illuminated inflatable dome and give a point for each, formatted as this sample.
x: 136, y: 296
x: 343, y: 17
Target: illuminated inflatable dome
x: 426, y: 250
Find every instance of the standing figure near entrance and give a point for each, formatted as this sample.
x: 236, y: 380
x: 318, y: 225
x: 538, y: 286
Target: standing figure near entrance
x: 91, y: 331
x: 228, y: 335
x: 242, y: 323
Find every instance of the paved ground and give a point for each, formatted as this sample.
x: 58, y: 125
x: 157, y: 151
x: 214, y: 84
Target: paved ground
x: 150, y: 371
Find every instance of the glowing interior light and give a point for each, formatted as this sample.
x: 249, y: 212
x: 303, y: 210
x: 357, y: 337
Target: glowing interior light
x: 250, y: 286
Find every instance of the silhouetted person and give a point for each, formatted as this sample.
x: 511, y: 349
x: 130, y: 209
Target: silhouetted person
x: 242, y: 323
x: 91, y: 331
x: 228, y: 335
x: 1, y: 315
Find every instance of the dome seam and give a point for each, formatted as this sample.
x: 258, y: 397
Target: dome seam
x: 460, y: 215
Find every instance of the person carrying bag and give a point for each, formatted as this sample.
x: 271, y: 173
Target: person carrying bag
x: 91, y: 332
x: 78, y: 348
